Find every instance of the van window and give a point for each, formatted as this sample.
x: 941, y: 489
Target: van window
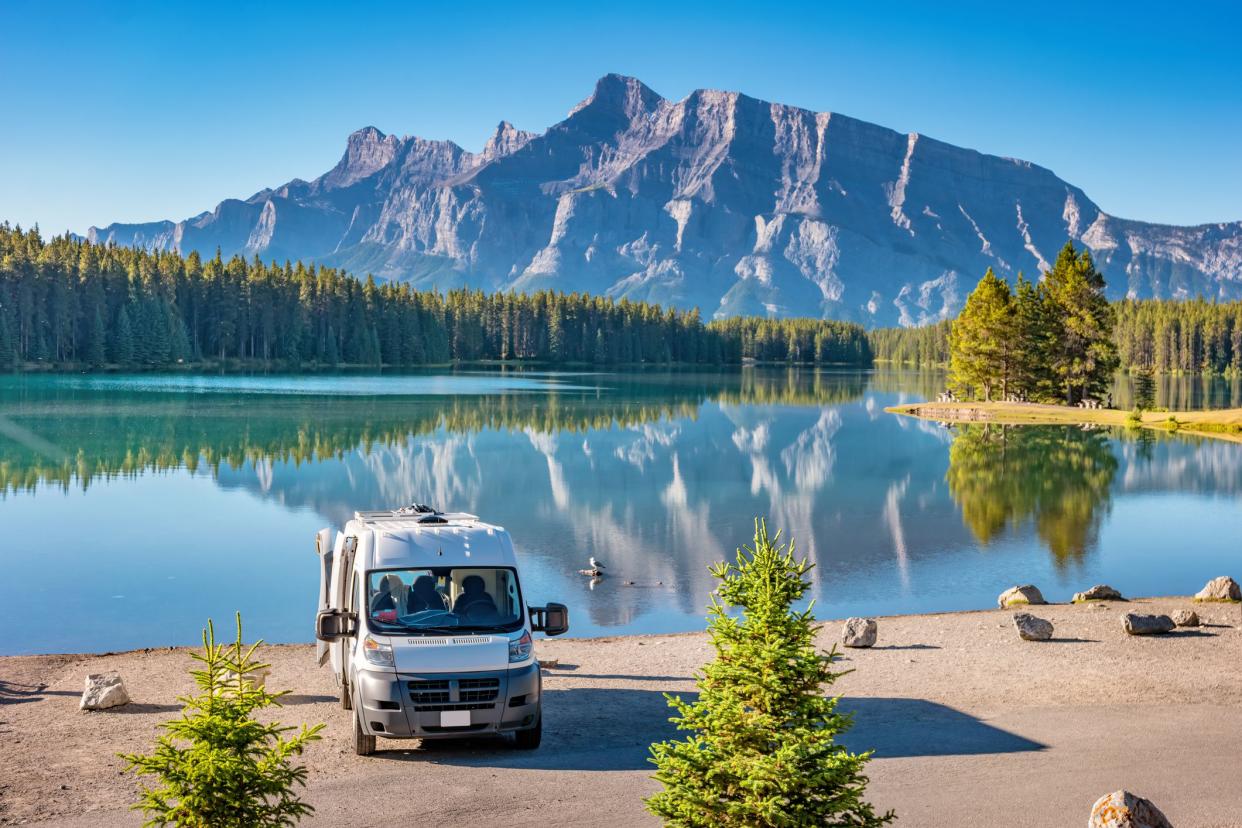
x: 475, y: 599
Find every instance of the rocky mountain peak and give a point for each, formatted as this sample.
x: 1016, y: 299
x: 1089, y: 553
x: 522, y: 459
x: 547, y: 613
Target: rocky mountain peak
x: 620, y: 95
x: 366, y: 151
x: 506, y: 140
x: 718, y: 201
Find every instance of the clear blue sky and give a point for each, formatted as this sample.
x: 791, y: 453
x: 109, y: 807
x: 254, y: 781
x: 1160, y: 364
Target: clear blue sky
x: 160, y: 110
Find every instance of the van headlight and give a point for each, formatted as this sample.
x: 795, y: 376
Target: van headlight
x: 520, y: 648
x: 380, y: 654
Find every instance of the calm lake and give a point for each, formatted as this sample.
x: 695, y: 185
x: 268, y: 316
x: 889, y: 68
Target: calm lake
x: 138, y: 506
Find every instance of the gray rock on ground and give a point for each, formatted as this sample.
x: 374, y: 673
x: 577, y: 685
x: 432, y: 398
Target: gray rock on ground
x: 859, y: 632
x: 1099, y: 592
x: 1136, y: 624
x: 1019, y: 595
x: 1122, y: 809
x: 1185, y: 618
x: 1031, y: 628
x: 1223, y: 588
x: 103, y: 690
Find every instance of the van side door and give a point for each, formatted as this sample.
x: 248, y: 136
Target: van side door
x: 342, y: 572
x: 324, y: 548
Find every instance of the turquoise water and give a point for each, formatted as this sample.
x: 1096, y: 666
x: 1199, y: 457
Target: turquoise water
x: 135, y: 507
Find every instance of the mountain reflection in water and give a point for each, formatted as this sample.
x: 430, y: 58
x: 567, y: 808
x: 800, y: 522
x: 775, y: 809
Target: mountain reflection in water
x: 144, y: 482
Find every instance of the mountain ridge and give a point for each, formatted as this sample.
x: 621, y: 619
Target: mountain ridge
x: 718, y: 200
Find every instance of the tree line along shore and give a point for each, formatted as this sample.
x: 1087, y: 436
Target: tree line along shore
x: 1164, y: 336
x: 66, y: 303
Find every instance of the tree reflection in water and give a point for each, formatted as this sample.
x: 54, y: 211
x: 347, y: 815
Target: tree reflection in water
x: 1059, y: 478
x: 55, y: 431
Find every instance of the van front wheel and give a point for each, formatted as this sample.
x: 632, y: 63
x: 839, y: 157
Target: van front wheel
x: 364, y: 744
x: 529, y: 739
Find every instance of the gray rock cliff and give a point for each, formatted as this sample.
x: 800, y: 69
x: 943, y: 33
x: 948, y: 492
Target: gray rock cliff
x: 720, y: 201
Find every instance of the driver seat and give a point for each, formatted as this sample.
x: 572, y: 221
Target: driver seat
x: 424, y: 596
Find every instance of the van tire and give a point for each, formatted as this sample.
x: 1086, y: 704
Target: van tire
x: 364, y: 744
x: 529, y: 739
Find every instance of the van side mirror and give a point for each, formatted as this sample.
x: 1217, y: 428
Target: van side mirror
x: 551, y: 620
x: 333, y: 624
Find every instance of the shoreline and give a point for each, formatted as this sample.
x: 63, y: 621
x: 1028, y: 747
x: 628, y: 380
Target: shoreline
x: 624, y: 636
x: 613, y: 638
x: 955, y: 705
x: 1223, y: 424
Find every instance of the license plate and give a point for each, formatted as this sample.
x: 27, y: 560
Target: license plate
x: 454, y: 718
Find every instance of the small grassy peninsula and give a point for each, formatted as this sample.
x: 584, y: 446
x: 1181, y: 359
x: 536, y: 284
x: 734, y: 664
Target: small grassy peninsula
x: 1045, y: 354
x: 1223, y: 423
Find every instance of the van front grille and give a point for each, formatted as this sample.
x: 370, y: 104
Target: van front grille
x: 454, y: 694
x: 479, y: 690
x: 429, y: 692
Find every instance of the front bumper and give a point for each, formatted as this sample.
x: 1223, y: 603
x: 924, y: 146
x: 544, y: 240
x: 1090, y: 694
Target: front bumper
x: 410, y: 705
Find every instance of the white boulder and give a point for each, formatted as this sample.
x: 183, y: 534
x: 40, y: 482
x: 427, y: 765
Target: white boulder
x: 1122, y: 809
x: 103, y: 690
x: 1019, y: 595
x: 1185, y: 618
x: 1099, y: 592
x: 1223, y: 588
x: 859, y: 632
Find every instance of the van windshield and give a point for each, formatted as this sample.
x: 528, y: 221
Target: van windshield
x: 474, y: 599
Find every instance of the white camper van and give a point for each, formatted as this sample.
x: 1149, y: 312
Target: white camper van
x: 423, y: 622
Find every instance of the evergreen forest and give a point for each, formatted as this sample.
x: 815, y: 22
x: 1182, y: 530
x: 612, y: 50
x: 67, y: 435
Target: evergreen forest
x: 72, y: 304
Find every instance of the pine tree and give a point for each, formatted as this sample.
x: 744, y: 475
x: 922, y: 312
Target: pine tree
x: 158, y: 338
x: 121, y: 348
x: 980, y: 342
x: 1032, y: 345
x: 374, y: 353
x: 179, y: 340
x: 600, y: 354
x: 556, y: 335
x: 761, y: 749
x: 1144, y: 389
x: 96, y: 339
x: 331, y: 352
x: 8, y: 351
x: 1083, y: 356
x: 217, y: 765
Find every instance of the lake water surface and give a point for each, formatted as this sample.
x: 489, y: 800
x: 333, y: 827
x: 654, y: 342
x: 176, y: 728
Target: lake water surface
x: 135, y: 507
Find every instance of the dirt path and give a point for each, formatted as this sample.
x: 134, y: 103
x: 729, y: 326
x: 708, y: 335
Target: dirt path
x: 967, y: 720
